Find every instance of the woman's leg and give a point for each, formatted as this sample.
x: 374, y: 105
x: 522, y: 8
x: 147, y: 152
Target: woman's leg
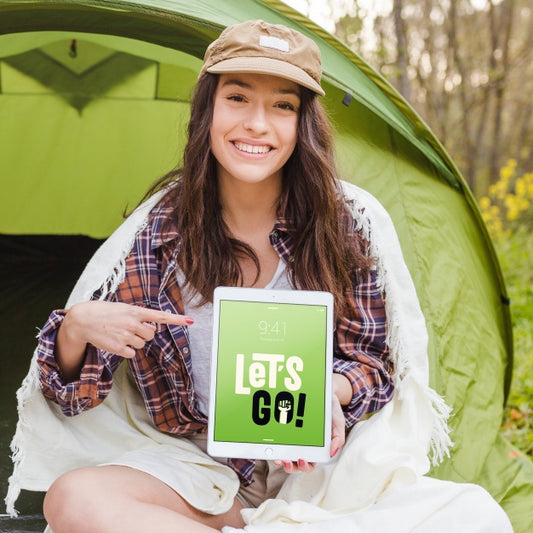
x: 116, y: 499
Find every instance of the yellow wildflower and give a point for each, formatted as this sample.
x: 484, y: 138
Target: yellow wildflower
x: 484, y: 203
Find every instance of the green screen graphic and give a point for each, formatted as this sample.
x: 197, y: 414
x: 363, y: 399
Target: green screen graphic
x: 271, y: 373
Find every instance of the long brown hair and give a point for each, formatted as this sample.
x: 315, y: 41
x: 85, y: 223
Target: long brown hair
x: 327, y: 251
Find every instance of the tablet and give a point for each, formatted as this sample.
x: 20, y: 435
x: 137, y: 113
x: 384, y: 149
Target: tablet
x: 271, y: 372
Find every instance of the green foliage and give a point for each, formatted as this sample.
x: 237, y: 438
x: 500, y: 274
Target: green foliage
x: 516, y: 253
x: 508, y: 211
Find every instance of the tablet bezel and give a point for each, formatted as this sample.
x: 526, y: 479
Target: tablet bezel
x: 251, y: 450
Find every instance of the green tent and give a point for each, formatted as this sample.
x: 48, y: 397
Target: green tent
x: 94, y: 101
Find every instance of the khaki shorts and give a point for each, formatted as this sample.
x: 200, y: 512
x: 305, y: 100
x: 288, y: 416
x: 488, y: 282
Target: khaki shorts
x: 267, y: 478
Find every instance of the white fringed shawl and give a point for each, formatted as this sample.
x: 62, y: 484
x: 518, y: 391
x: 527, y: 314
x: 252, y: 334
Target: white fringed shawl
x: 393, y: 444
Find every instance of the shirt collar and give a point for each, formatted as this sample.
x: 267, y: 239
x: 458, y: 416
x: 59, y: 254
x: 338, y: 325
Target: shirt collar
x: 160, y: 237
x: 282, y: 224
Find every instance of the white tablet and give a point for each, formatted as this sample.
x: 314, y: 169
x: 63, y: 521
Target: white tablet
x: 271, y: 374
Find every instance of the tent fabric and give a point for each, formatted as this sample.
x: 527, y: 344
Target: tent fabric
x: 77, y: 149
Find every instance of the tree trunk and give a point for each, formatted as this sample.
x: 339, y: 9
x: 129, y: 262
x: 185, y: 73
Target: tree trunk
x: 401, y: 50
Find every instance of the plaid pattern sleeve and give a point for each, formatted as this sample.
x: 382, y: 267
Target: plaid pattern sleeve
x: 95, y: 379
x: 361, y: 352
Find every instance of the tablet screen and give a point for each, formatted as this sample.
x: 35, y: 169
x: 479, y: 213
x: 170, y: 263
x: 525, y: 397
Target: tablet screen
x: 271, y: 368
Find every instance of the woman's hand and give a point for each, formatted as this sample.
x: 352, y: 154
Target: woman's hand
x: 342, y: 395
x: 338, y: 430
x: 115, y: 327
x: 291, y: 467
x: 338, y: 427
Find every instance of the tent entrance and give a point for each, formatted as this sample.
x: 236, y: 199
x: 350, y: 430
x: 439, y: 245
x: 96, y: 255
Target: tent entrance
x: 37, y: 273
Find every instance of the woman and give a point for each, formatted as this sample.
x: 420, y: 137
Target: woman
x: 256, y: 204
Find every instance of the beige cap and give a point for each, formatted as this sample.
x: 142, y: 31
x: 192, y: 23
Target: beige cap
x: 257, y: 47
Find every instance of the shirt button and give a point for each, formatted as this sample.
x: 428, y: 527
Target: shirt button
x: 168, y: 311
x: 185, y: 350
x: 275, y: 235
x: 291, y: 258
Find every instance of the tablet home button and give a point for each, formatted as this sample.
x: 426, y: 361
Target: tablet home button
x: 268, y: 451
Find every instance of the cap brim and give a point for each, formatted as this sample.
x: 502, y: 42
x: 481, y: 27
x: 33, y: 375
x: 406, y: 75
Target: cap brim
x: 266, y: 65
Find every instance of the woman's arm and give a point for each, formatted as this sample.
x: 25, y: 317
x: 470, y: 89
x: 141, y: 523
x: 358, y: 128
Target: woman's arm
x: 80, y: 380
x: 90, y: 341
x: 114, y: 327
x: 361, y: 351
x: 78, y: 356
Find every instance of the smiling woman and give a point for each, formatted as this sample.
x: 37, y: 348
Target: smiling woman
x: 257, y: 203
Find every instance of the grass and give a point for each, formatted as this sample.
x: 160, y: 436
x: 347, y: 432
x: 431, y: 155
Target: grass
x: 516, y: 258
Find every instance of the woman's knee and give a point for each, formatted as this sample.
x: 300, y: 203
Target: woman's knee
x: 68, y: 502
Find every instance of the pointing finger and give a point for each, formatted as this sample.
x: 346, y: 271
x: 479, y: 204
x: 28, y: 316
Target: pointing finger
x: 163, y: 317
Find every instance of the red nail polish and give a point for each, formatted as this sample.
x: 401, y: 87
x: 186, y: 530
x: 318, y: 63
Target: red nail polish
x: 189, y: 320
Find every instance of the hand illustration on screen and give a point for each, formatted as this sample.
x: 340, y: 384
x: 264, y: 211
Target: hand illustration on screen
x: 284, y: 406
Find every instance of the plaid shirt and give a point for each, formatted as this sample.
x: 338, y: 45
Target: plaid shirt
x: 163, y: 370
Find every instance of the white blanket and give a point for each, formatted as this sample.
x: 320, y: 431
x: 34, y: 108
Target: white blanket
x: 376, y: 483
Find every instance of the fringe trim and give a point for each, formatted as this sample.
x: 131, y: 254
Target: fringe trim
x: 118, y: 273
x: 29, y: 384
x: 440, y: 442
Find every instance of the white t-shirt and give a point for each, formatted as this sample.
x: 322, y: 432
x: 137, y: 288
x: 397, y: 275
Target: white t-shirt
x: 200, y: 333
